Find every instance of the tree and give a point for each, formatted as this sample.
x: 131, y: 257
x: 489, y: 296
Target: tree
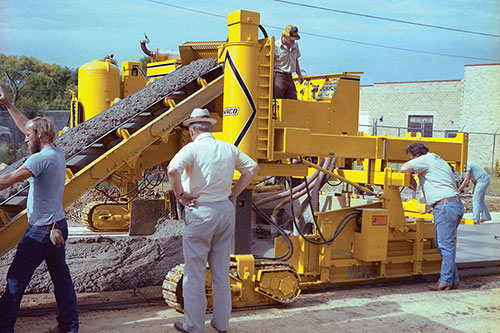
x: 145, y: 61
x: 35, y: 86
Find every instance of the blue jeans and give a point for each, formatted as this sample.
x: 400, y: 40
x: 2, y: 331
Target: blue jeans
x: 447, y: 217
x: 35, y: 247
x: 479, y: 209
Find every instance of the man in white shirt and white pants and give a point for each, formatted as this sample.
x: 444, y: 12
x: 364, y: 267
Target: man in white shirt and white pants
x: 201, y: 174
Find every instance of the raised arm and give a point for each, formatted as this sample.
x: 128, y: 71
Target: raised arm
x: 19, y: 118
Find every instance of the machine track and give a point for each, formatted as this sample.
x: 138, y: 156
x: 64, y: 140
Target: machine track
x: 105, y: 216
x: 249, y: 294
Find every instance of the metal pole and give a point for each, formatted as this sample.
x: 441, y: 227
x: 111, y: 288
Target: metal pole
x: 493, y: 152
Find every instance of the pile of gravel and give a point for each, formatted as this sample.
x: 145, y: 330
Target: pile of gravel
x: 102, y: 263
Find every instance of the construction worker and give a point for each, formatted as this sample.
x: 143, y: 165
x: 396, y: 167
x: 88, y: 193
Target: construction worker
x: 440, y: 190
x: 481, y: 180
x: 286, y: 62
x: 44, y: 238
x: 201, y: 174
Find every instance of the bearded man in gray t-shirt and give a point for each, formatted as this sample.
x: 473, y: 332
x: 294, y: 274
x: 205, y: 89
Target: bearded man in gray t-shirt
x: 45, y: 170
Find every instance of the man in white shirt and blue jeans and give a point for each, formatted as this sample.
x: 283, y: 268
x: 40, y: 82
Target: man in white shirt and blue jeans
x: 440, y: 190
x: 201, y: 174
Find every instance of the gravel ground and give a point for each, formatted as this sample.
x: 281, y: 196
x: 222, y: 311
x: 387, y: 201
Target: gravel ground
x: 406, y: 306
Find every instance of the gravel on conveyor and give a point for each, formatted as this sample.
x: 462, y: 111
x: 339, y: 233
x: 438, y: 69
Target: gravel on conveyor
x: 87, y: 132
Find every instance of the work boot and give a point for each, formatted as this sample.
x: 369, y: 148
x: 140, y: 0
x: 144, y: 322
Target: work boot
x: 178, y: 325
x: 455, y: 285
x: 212, y: 324
x: 438, y: 286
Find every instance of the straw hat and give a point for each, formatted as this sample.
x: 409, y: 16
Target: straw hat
x: 199, y: 115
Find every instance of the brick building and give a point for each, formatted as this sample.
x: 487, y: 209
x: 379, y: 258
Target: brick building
x: 439, y: 109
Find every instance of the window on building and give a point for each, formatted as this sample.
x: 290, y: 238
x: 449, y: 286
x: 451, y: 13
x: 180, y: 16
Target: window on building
x: 450, y: 133
x: 422, y: 124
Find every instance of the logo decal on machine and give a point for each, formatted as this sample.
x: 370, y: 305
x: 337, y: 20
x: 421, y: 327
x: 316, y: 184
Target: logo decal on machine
x: 248, y: 96
x: 230, y: 111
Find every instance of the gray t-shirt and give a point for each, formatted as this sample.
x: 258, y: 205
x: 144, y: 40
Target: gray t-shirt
x: 46, y: 186
x: 285, y: 58
x: 476, y: 171
x: 436, y: 178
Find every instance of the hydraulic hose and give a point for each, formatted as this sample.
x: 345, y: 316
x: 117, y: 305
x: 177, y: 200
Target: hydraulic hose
x: 289, y: 252
x: 284, y: 194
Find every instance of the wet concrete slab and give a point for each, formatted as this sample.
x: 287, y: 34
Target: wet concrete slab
x: 479, y: 242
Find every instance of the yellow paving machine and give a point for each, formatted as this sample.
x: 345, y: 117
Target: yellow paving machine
x: 314, y: 138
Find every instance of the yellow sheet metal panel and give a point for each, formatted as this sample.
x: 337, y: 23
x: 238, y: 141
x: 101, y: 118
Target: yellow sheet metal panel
x: 242, y: 24
x: 345, y: 106
x: 371, y: 243
x: 132, y: 79
x: 161, y: 68
x: 297, y: 140
x: 377, y: 178
x: 98, y: 86
x: 190, y: 51
x: 314, y: 116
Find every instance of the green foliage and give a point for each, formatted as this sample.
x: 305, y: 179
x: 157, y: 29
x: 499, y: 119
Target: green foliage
x: 145, y: 60
x: 7, y: 152
x: 35, y: 85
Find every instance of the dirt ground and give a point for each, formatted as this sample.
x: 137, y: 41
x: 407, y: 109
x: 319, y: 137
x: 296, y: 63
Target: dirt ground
x: 131, y: 269
x: 404, y: 306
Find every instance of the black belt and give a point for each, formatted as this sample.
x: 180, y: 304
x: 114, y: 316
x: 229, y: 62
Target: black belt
x: 283, y: 73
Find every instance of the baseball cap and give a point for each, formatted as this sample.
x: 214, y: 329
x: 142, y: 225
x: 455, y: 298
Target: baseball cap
x: 292, y: 32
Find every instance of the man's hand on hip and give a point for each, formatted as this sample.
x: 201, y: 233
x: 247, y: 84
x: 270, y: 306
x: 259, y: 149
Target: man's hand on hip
x: 188, y: 199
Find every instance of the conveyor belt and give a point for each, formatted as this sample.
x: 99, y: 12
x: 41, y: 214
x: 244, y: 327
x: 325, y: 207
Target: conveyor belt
x: 107, y: 154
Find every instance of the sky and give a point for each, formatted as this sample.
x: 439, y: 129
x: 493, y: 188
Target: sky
x: 74, y: 32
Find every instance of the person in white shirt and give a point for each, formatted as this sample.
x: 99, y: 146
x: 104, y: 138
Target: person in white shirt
x: 286, y: 62
x: 201, y: 174
x: 440, y: 190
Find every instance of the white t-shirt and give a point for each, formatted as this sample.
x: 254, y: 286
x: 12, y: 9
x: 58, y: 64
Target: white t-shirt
x: 436, y: 177
x: 285, y: 59
x: 207, y: 167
